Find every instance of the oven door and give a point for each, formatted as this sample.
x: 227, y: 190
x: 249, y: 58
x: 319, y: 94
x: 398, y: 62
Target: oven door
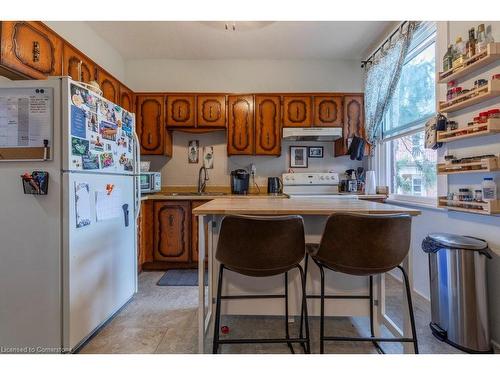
x: 146, y: 182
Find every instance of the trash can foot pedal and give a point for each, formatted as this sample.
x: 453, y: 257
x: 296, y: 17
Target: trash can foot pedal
x: 438, y: 332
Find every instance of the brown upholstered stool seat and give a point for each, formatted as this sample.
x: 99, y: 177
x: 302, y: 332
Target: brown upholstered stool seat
x: 363, y: 245
x: 261, y: 247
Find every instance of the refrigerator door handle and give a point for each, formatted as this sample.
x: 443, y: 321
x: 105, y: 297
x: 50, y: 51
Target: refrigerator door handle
x: 137, y: 177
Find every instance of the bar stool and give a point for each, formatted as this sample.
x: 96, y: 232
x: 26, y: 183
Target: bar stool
x: 261, y: 247
x: 362, y: 245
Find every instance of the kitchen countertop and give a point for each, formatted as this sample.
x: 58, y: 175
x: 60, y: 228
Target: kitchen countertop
x: 206, y: 196
x: 300, y: 206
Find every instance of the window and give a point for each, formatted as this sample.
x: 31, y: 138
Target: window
x: 411, y: 169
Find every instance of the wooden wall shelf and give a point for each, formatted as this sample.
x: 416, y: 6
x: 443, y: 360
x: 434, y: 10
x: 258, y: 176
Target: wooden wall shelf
x: 491, y: 90
x: 483, y: 165
x: 476, y: 62
x: 483, y: 208
x: 490, y: 127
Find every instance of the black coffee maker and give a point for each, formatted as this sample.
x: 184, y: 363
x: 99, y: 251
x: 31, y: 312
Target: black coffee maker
x: 239, y: 181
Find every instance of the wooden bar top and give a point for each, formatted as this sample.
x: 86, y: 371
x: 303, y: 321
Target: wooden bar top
x: 297, y: 206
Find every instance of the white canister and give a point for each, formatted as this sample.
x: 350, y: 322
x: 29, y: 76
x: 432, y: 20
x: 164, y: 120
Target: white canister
x: 370, y: 183
x: 489, y: 189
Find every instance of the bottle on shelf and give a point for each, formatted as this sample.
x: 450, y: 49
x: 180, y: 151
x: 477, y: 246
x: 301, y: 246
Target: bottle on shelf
x: 471, y: 44
x: 459, y: 53
x: 448, y: 58
x: 481, y: 39
x: 489, y: 189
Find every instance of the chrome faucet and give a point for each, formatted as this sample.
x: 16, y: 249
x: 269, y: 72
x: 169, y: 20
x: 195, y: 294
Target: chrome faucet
x: 202, y: 183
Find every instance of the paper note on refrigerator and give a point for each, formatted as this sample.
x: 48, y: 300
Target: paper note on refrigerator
x: 108, y: 206
x: 82, y: 204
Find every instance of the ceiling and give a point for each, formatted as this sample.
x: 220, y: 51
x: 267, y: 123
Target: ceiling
x: 248, y: 40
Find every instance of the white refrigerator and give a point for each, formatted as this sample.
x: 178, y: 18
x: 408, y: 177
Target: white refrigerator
x: 68, y: 258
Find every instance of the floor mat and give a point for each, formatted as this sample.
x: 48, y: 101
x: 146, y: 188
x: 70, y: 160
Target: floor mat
x: 187, y: 277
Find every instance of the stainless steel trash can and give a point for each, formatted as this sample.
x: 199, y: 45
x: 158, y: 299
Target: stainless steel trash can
x: 459, y: 304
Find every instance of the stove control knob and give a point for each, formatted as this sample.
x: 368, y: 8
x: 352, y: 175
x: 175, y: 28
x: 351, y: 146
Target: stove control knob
x: 322, y: 178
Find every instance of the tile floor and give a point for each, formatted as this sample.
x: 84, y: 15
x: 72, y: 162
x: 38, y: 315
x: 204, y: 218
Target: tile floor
x: 164, y: 320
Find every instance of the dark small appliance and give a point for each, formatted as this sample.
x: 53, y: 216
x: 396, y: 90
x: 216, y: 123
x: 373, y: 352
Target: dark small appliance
x: 239, y: 181
x: 274, y: 185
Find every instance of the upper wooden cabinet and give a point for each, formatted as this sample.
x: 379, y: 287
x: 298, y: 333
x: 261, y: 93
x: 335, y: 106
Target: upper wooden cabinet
x: 267, y: 125
x: 172, y: 221
x: 328, y: 111
x: 354, y: 123
x: 211, y: 111
x: 77, y: 65
x: 126, y: 98
x: 297, y: 111
x: 110, y: 87
x: 181, y: 111
x: 150, y: 124
x: 30, y: 48
x: 240, y: 128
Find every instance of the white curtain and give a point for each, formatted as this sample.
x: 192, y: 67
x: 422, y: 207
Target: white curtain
x: 381, y: 78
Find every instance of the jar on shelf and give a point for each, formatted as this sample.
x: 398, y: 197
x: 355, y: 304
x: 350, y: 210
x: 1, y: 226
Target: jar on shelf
x: 480, y: 83
x: 495, y: 76
x: 464, y: 195
x: 478, y: 195
x: 476, y: 120
x: 494, y: 113
x: 483, y: 117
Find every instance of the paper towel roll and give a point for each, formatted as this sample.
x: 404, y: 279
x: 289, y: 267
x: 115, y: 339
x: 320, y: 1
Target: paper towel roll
x: 370, y: 183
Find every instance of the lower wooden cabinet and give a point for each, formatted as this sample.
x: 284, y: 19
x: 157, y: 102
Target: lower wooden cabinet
x: 194, y: 231
x: 172, y: 229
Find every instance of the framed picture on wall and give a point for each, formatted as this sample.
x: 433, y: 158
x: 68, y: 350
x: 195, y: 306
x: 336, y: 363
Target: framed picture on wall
x: 316, y: 152
x: 298, y: 156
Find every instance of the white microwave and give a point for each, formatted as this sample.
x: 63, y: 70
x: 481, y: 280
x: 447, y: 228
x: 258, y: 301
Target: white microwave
x: 150, y: 182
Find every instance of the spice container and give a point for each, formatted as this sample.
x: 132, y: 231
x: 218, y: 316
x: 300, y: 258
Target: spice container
x: 478, y: 195
x: 480, y: 82
x: 483, y: 117
x: 464, y: 195
x: 451, y: 125
x: 496, y: 76
x: 494, y: 113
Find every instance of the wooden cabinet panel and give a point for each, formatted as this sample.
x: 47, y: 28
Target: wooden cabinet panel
x: 354, y: 123
x: 30, y: 48
x: 126, y: 98
x: 194, y: 232
x: 297, y: 111
x: 77, y: 65
x: 240, y: 132
x: 180, y: 111
x: 211, y: 111
x: 172, y: 231
x: 145, y: 234
x: 267, y: 125
x: 150, y: 124
x: 109, y: 86
x: 328, y: 111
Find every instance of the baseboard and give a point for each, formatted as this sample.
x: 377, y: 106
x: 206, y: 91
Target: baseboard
x: 496, y: 347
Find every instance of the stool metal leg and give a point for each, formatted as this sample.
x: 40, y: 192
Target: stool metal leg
x: 302, y: 310
x: 410, y: 307
x: 307, y: 344
x: 322, y: 313
x: 287, y: 333
x: 215, y: 346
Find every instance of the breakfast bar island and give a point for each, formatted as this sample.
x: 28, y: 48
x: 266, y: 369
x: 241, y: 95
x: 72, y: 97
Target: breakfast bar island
x: 314, y: 211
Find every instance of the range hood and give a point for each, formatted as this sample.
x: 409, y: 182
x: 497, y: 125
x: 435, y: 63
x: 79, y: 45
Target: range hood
x: 312, y: 134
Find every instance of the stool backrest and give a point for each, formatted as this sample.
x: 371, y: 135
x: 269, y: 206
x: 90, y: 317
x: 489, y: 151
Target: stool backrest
x: 361, y: 244
x: 261, y: 246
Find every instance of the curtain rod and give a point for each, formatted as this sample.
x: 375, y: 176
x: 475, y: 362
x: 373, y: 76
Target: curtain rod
x: 388, y: 39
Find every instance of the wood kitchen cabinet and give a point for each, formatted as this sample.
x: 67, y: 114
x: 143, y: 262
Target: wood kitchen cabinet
x: 240, y: 127
x: 328, y: 111
x: 150, y: 125
x: 354, y: 123
x: 77, y: 65
x: 211, y: 111
x: 194, y: 232
x: 181, y: 111
x: 267, y: 125
x: 126, y: 98
x: 109, y: 86
x: 297, y: 111
x: 31, y: 49
x: 172, y: 228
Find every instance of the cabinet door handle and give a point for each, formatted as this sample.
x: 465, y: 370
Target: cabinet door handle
x: 36, y: 51
x: 80, y: 77
x: 171, y: 220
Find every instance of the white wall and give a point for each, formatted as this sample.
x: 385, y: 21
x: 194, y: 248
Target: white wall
x: 83, y: 37
x: 232, y: 76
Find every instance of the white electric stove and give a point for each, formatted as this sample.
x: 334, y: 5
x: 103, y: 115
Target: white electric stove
x: 313, y: 185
